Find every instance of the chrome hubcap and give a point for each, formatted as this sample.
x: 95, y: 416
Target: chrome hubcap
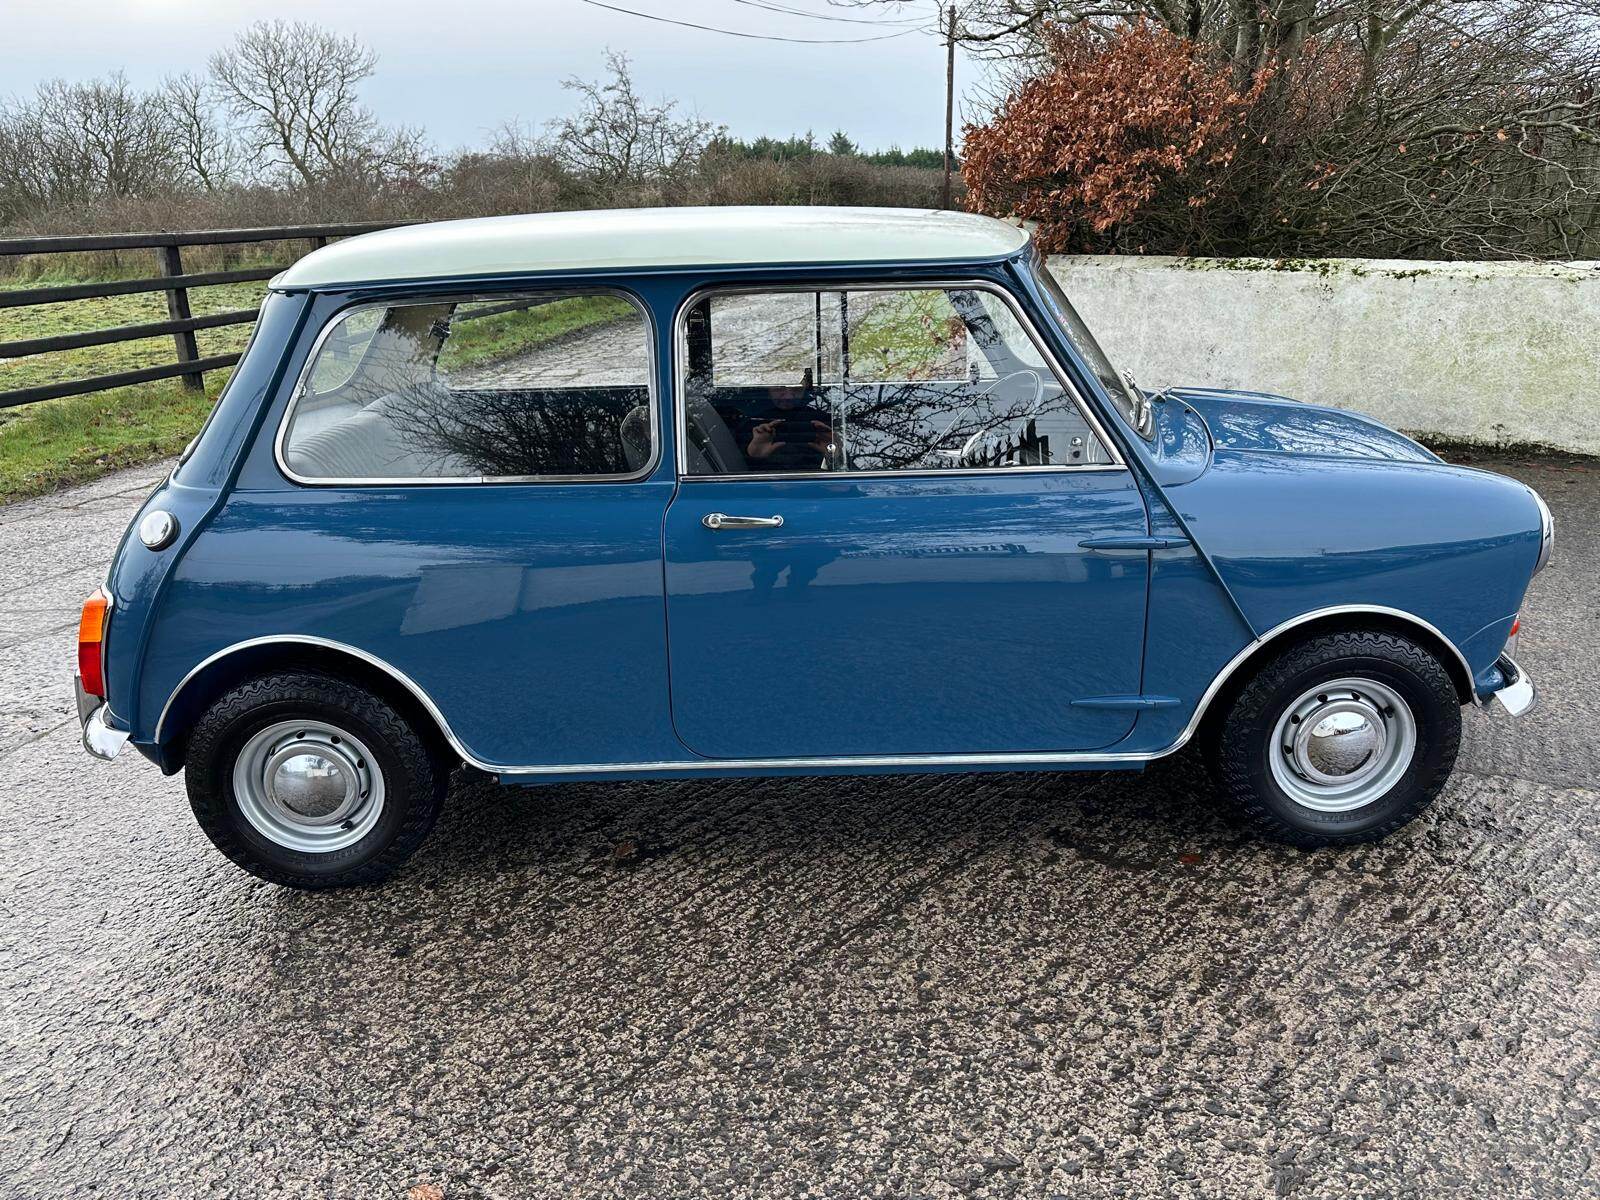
x: 1343, y: 744
x: 308, y: 786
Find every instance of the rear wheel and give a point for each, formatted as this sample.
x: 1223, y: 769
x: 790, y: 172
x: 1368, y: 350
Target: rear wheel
x: 1342, y: 738
x: 311, y: 782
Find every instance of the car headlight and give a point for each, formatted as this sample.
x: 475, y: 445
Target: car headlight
x: 1547, y: 532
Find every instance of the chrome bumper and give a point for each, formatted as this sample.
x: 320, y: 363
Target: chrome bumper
x: 1517, y: 694
x: 99, y: 739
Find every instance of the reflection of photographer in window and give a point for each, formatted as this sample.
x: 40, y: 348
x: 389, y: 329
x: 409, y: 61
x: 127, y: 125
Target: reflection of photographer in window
x: 785, y: 431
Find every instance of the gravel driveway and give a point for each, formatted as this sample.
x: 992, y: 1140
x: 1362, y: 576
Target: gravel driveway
x: 1022, y: 985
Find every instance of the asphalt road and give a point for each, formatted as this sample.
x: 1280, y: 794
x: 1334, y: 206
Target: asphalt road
x: 1020, y: 985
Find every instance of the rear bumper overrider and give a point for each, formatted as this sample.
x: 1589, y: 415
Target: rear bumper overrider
x: 99, y: 737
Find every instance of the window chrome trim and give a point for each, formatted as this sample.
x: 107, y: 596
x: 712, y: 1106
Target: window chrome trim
x: 921, y: 473
x: 680, y: 383
x: 652, y: 403
x: 1042, y: 279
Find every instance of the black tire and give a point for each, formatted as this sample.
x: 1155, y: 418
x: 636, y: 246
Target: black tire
x: 1244, y: 737
x: 413, y: 781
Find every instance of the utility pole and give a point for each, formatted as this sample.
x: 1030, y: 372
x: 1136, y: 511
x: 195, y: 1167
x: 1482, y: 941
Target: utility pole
x: 949, y: 98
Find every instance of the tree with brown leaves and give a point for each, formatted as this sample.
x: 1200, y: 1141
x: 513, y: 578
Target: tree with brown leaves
x: 1112, y: 132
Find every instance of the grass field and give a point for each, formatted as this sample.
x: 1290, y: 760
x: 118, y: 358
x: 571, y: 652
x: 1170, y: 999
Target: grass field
x: 478, y: 340
x: 58, y: 442
x: 75, y: 316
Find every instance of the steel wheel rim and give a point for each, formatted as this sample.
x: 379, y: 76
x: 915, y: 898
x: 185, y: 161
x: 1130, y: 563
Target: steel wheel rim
x: 308, y: 785
x: 1342, y: 745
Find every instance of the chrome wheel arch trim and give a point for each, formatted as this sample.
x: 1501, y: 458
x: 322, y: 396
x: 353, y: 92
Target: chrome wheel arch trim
x: 1031, y: 758
x: 301, y: 639
x: 1317, y: 614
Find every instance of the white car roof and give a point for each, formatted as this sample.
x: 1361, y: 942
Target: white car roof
x: 645, y: 238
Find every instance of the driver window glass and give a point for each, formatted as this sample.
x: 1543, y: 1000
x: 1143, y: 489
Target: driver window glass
x: 551, y: 385
x: 909, y: 336
x: 771, y: 339
x: 905, y: 379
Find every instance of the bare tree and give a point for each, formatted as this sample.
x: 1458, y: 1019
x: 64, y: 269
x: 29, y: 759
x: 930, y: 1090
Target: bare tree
x: 618, y: 139
x: 71, y: 143
x: 1455, y: 128
x: 292, y: 89
x: 208, y: 150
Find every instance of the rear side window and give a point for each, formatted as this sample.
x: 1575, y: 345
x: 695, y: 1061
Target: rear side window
x: 549, y: 385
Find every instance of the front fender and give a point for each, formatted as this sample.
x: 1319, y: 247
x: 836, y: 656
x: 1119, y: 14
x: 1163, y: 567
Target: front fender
x: 1292, y: 534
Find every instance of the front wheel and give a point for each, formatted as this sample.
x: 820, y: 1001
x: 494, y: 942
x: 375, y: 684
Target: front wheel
x: 308, y: 781
x: 1342, y: 738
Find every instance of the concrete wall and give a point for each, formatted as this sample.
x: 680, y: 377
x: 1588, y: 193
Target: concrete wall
x: 1479, y: 352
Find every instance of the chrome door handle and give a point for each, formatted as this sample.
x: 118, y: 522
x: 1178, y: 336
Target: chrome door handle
x: 724, y: 521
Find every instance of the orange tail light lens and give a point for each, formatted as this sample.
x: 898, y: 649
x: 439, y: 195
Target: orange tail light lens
x: 91, y: 643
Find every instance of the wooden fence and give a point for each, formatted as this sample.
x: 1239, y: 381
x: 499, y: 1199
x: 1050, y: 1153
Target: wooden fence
x: 181, y: 323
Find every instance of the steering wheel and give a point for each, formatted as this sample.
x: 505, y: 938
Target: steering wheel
x: 976, y: 406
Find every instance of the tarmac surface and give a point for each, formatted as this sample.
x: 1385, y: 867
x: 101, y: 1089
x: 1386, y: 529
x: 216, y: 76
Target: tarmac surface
x: 1079, y: 985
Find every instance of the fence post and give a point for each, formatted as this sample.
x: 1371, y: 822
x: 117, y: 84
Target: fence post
x: 178, y: 310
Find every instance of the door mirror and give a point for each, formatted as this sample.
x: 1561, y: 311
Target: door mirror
x: 1143, y: 411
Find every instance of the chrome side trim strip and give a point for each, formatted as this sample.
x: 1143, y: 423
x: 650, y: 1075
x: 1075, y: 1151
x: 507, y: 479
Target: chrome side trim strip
x: 909, y: 762
x: 618, y: 768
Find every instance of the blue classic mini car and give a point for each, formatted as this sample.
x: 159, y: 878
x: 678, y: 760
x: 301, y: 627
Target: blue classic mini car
x: 772, y: 491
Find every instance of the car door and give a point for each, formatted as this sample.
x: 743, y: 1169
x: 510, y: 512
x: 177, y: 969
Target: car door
x: 878, y: 542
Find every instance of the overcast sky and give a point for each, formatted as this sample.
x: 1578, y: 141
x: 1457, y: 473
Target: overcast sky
x: 460, y: 67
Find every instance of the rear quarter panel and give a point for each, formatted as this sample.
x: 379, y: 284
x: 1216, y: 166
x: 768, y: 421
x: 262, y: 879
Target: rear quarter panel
x: 196, y: 489
x: 531, y: 615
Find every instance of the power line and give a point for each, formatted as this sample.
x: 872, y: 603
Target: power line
x: 800, y: 12
x: 763, y: 37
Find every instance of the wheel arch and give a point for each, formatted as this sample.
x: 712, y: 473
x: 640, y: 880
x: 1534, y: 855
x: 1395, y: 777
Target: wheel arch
x: 201, y: 687
x: 1244, y: 665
